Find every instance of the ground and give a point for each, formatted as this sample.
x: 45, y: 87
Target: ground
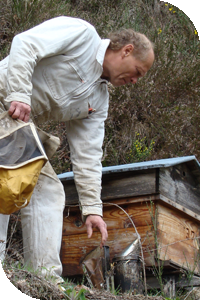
x: 37, y: 287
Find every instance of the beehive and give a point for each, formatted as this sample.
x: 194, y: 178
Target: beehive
x: 161, y: 197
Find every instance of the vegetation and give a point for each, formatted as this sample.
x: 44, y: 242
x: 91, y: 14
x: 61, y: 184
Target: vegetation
x: 156, y: 118
x: 161, y: 112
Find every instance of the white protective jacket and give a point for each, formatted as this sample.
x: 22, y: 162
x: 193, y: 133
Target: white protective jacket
x: 56, y: 67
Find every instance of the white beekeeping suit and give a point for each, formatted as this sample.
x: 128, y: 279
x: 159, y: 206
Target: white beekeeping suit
x: 56, y: 68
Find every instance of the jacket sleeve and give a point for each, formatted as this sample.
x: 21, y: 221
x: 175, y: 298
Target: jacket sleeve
x: 85, y: 137
x: 56, y: 36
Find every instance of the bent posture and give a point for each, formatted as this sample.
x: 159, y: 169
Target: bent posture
x: 57, y: 71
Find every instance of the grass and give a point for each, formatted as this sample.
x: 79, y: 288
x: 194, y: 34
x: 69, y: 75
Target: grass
x: 33, y: 284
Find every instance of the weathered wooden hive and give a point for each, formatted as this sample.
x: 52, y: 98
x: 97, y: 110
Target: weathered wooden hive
x: 161, y: 197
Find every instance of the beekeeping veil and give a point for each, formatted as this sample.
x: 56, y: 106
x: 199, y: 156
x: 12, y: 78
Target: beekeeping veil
x: 22, y: 157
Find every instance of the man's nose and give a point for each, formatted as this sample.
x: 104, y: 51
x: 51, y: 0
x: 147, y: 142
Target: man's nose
x: 133, y: 80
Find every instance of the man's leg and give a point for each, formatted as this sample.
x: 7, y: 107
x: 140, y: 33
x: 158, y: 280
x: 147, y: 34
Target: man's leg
x: 42, y: 222
x: 4, y: 220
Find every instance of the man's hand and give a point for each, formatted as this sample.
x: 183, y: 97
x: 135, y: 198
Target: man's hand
x: 19, y: 110
x: 95, y: 221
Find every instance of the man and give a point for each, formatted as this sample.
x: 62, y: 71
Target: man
x: 59, y: 70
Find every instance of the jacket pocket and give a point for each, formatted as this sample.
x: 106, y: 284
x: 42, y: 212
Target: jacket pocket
x: 79, y: 110
x: 73, y: 110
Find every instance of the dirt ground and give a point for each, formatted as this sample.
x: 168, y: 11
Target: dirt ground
x: 103, y: 295
x: 37, y: 287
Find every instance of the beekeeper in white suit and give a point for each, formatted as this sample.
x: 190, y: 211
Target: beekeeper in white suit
x: 59, y: 71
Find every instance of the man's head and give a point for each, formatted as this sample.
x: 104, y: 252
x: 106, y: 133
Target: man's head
x: 129, y: 56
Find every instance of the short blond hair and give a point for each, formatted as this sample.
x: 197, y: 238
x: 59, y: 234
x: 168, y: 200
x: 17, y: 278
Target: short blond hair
x: 142, y: 45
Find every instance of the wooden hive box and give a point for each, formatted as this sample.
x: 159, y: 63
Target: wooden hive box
x: 161, y: 197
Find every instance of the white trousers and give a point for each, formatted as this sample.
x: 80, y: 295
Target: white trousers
x: 42, y: 222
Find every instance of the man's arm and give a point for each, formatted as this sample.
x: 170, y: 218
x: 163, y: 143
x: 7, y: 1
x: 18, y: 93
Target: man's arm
x: 53, y: 37
x: 85, y: 137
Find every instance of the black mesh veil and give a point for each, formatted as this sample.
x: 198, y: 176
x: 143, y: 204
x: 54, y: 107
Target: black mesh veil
x: 19, y: 144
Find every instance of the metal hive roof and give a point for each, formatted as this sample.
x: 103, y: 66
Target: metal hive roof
x: 160, y: 163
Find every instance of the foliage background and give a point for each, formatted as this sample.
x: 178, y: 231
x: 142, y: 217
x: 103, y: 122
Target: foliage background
x: 159, y: 116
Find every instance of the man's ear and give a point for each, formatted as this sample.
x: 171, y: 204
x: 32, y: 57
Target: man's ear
x: 127, y: 50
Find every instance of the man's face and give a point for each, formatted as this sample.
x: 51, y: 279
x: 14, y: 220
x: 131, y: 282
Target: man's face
x: 124, y: 68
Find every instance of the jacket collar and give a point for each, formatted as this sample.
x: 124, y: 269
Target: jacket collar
x: 102, y: 50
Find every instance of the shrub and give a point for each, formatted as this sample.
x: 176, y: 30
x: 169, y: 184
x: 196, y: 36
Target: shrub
x: 163, y: 106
